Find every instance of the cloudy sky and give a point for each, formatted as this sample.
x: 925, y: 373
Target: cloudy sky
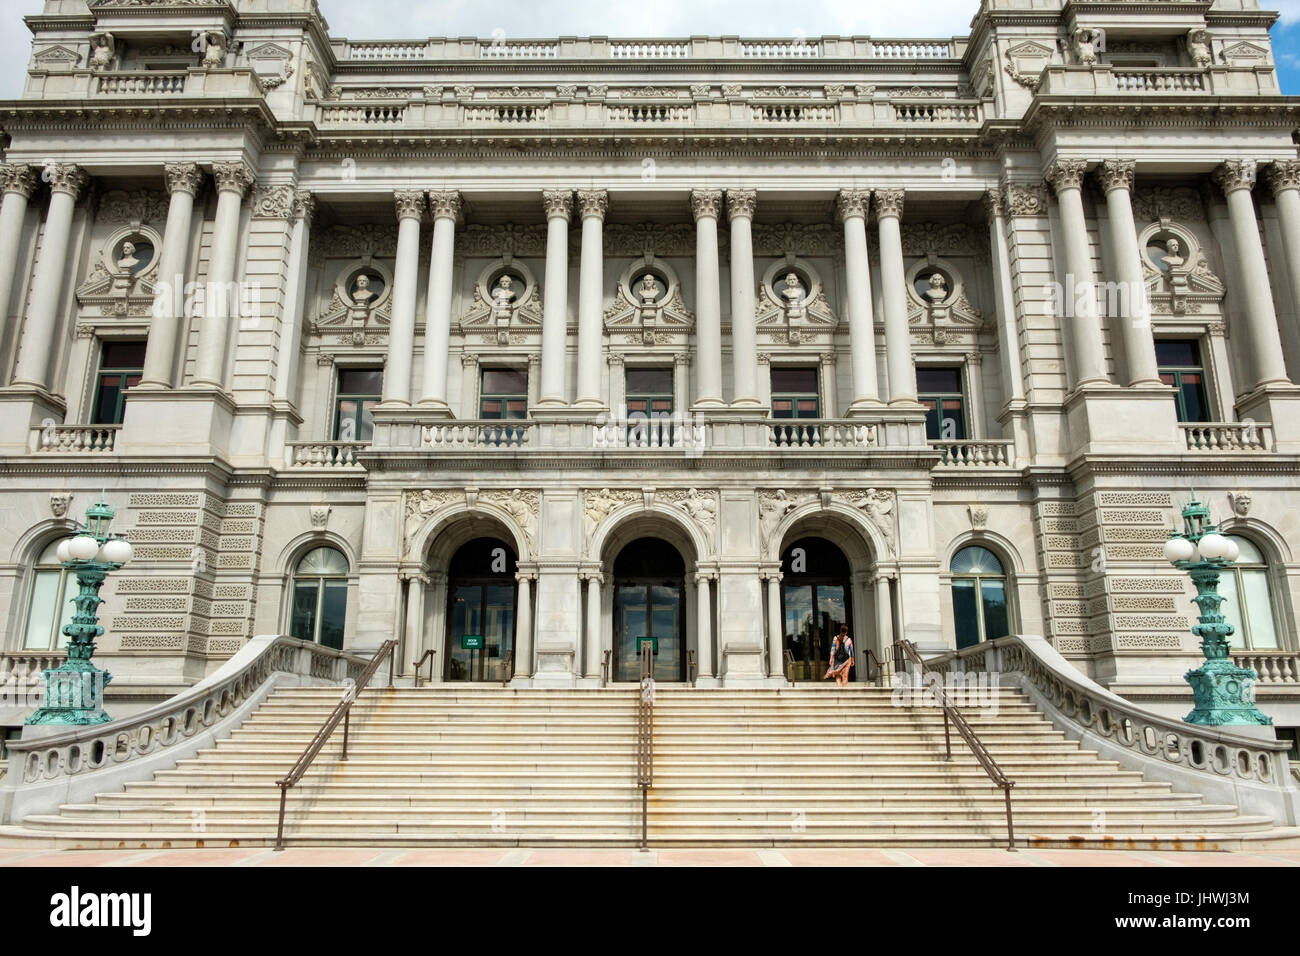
x: 384, y: 19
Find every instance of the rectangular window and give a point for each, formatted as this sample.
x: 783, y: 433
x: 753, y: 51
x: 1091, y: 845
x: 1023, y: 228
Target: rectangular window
x: 795, y: 393
x: 649, y: 406
x: 121, y: 365
x: 503, y: 393
x: 359, y: 391
x: 1179, y: 362
x: 939, y: 390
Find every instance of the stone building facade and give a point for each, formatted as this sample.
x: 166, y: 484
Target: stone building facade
x: 525, y: 351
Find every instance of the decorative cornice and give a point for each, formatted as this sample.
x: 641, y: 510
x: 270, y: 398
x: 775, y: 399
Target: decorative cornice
x: 183, y: 177
x: 409, y: 204
x: 887, y: 203
x: 233, y: 177
x: 66, y: 178
x: 852, y: 202
x: 593, y: 203
x: 445, y: 204
x: 1022, y: 200
x: 1283, y: 174
x: 17, y: 179
x: 706, y: 203
x: 1116, y: 174
x: 558, y: 204
x: 273, y: 202
x: 1066, y: 174
x: 1235, y: 174
x: 741, y: 203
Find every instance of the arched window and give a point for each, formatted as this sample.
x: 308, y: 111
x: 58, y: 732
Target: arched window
x: 53, y: 589
x: 979, y: 596
x: 1248, y: 600
x: 320, y: 597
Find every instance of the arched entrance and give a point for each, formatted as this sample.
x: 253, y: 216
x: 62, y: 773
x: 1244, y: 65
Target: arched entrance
x: 480, y: 631
x: 649, y: 604
x: 816, y: 598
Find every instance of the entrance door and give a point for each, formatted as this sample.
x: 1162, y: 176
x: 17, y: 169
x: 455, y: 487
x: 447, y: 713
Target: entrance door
x: 480, y: 612
x: 815, y: 602
x: 649, y: 605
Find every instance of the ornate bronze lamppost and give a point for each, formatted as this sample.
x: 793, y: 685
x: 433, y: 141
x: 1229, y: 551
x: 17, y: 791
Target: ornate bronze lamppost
x: 74, y: 691
x: 1222, y: 690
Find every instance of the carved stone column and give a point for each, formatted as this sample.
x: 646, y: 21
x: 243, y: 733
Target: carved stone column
x: 704, y: 624
x: 524, y: 624
x: 445, y: 206
x: 18, y: 184
x: 414, y: 632
x: 1116, y: 178
x: 591, y: 667
x: 220, y: 300
x: 741, y: 204
x: 884, y: 616
x: 1015, y: 410
x: 898, y: 337
x: 706, y: 204
x: 1078, y: 304
x: 401, y: 327
x: 555, y: 308
x: 183, y: 182
x: 851, y: 206
x: 1284, y: 179
x: 592, y: 206
x: 286, y: 380
x: 775, y: 631
x: 33, y: 369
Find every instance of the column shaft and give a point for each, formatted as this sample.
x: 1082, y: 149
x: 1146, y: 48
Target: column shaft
x: 445, y: 206
x: 183, y: 181
x: 744, y: 334
x: 898, y: 337
x: 852, y: 205
x: 34, y: 354
x: 555, y: 306
x: 592, y: 668
x: 775, y: 633
x: 593, y: 204
x: 414, y: 624
x: 18, y: 183
x: 1078, y: 308
x: 1116, y: 177
x: 401, y: 328
x: 290, y: 366
x: 220, y: 297
x: 884, y: 619
x: 706, y: 204
x: 703, y: 625
x: 524, y: 627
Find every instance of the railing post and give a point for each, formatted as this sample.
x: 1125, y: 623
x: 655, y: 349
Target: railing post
x: 347, y: 717
x: 947, y: 736
x: 279, y: 827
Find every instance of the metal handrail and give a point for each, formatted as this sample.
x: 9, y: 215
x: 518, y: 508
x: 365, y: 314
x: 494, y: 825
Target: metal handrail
x: 692, y: 668
x: 426, y: 656
x: 870, y: 656
x: 341, y: 711
x: 604, y: 666
x: 951, y: 713
x: 789, y: 664
x: 508, y: 667
x: 645, y: 722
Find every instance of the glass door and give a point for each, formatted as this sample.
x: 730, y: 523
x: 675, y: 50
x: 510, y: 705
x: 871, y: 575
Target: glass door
x: 649, y: 612
x: 481, y: 631
x: 813, y: 615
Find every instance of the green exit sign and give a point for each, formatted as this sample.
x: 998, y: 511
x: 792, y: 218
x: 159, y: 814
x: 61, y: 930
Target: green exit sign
x: 652, y: 641
x: 471, y: 642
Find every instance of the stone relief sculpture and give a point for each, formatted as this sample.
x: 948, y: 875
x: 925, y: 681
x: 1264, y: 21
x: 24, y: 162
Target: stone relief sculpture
x: 214, y: 49
x: 651, y: 311
x: 938, y: 290
x: 878, y: 505
x: 361, y: 293
x: 773, y: 506
x: 599, y: 505
x: 505, y: 303
x: 420, y: 505
x: 1198, y: 47
x: 700, y: 507
x: 1085, y: 45
x: 522, y: 507
x: 103, y: 49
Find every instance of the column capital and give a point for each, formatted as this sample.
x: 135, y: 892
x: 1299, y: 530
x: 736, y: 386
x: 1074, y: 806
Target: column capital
x: 741, y: 203
x: 596, y: 577
x: 772, y: 577
x: 1234, y: 174
x: 304, y: 204
x: 445, y: 204
x: 1282, y: 175
x: 1116, y: 174
x: 522, y: 576
x: 1066, y: 174
x: 534, y: 359
x: 764, y: 358
x: 468, y: 360
x: 851, y: 203
x: 704, y: 577
x: 558, y: 203
x: 681, y: 358
x: 614, y: 358
x: 65, y: 178
x: 19, y: 179
x: 994, y: 202
x: 887, y: 203
x: 183, y: 177
x: 410, y: 204
x: 706, y: 203
x: 826, y: 358
x: 1023, y: 199
x: 593, y: 203
x: 233, y: 177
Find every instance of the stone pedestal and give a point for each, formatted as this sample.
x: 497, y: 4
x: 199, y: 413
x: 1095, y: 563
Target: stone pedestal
x: 1279, y: 405
x: 1105, y: 419
x: 196, y: 420
x: 23, y: 408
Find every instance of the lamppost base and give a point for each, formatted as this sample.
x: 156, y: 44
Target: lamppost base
x: 74, y: 696
x: 1222, y: 692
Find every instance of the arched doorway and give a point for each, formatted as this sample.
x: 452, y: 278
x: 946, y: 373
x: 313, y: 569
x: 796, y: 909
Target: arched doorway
x: 649, y: 604
x: 816, y: 598
x: 480, y: 611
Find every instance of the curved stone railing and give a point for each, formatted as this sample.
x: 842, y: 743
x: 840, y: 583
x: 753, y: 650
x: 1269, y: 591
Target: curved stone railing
x: 1223, y: 765
x: 74, y: 765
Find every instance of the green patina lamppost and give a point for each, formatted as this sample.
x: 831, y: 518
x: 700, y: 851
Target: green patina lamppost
x: 1221, y: 689
x: 74, y: 691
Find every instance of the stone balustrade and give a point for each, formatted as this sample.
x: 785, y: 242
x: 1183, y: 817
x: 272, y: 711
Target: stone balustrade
x: 75, y: 439
x: 847, y: 433
x: 1251, y: 772
x: 26, y: 667
x: 1216, y: 80
x: 1273, y: 667
x: 77, y: 763
x: 143, y: 84
x: 315, y: 455
x: 976, y: 453
x: 1228, y: 436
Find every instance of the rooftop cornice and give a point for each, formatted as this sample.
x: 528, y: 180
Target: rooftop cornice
x: 1096, y: 109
